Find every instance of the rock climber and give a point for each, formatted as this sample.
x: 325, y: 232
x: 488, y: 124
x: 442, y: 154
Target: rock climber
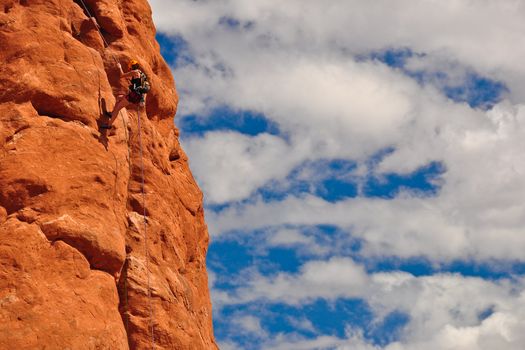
x: 136, y: 94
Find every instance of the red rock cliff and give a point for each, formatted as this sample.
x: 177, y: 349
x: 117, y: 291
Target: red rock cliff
x: 74, y: 250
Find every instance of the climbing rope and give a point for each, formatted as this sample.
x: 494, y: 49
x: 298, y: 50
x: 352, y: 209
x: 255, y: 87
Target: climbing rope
x: 126, y: 308
x: 145, y: 230
x: 150, y: 306
x: 98, y: 28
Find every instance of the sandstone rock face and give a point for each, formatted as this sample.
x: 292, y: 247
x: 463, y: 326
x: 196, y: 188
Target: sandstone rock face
x: 80, y: 268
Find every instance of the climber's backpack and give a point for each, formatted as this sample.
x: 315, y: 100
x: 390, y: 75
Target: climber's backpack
x: 140, y: 86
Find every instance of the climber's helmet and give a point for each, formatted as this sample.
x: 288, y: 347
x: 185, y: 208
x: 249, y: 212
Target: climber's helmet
x: 133, y: 64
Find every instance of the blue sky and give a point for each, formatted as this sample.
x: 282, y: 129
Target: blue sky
x: 363, y: 180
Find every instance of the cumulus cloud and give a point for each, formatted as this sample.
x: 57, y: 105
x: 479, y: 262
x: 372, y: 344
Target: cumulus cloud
x: 446, y: 311
x: 404, y: 227
x: 353, y: 342
x: 478, y: 212
x: 301, y: 242
x: 282, y: 60
x: 249, y: 324
x: 481, y: 34
x: 308, y: 67
x: 237, y: 164
x: 332, y: 279
x: 366, y: 102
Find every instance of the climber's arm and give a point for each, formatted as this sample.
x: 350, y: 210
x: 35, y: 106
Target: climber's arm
x: 131, y: 74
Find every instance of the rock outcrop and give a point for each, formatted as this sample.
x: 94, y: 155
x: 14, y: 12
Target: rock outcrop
x: 79, y: 268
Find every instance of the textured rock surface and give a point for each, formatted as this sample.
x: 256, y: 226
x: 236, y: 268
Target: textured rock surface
x: 73, y: 259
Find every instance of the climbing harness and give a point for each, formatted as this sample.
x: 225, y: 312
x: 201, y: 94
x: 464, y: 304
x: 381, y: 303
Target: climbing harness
x: 137, y: 88
x: 145, y: 87
x: 140, y: 85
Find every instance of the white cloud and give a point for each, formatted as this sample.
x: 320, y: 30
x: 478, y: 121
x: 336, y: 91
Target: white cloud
x: 499, y: 331
x: 297, y: 68
x: 230, y: 165
x: 331, y: 106
x: 332, y: 279
x: 249, y: 324
x: 295, y: 238
x: 290, y: 237
x: 482, y: 34
x: 365, y: 103
x: 295, y: 62
x: 228, y: 345
x: 478, y: 213
x: 444, y: 310
x: 303, y: 324
x: 353, y: 342
x: 404, y: 227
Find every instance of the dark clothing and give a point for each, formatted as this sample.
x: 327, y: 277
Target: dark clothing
x: 133, y: 97
x: 136, y: 83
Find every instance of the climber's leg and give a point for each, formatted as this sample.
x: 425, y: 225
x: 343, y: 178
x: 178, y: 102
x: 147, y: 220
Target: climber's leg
x: 122, y: 102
